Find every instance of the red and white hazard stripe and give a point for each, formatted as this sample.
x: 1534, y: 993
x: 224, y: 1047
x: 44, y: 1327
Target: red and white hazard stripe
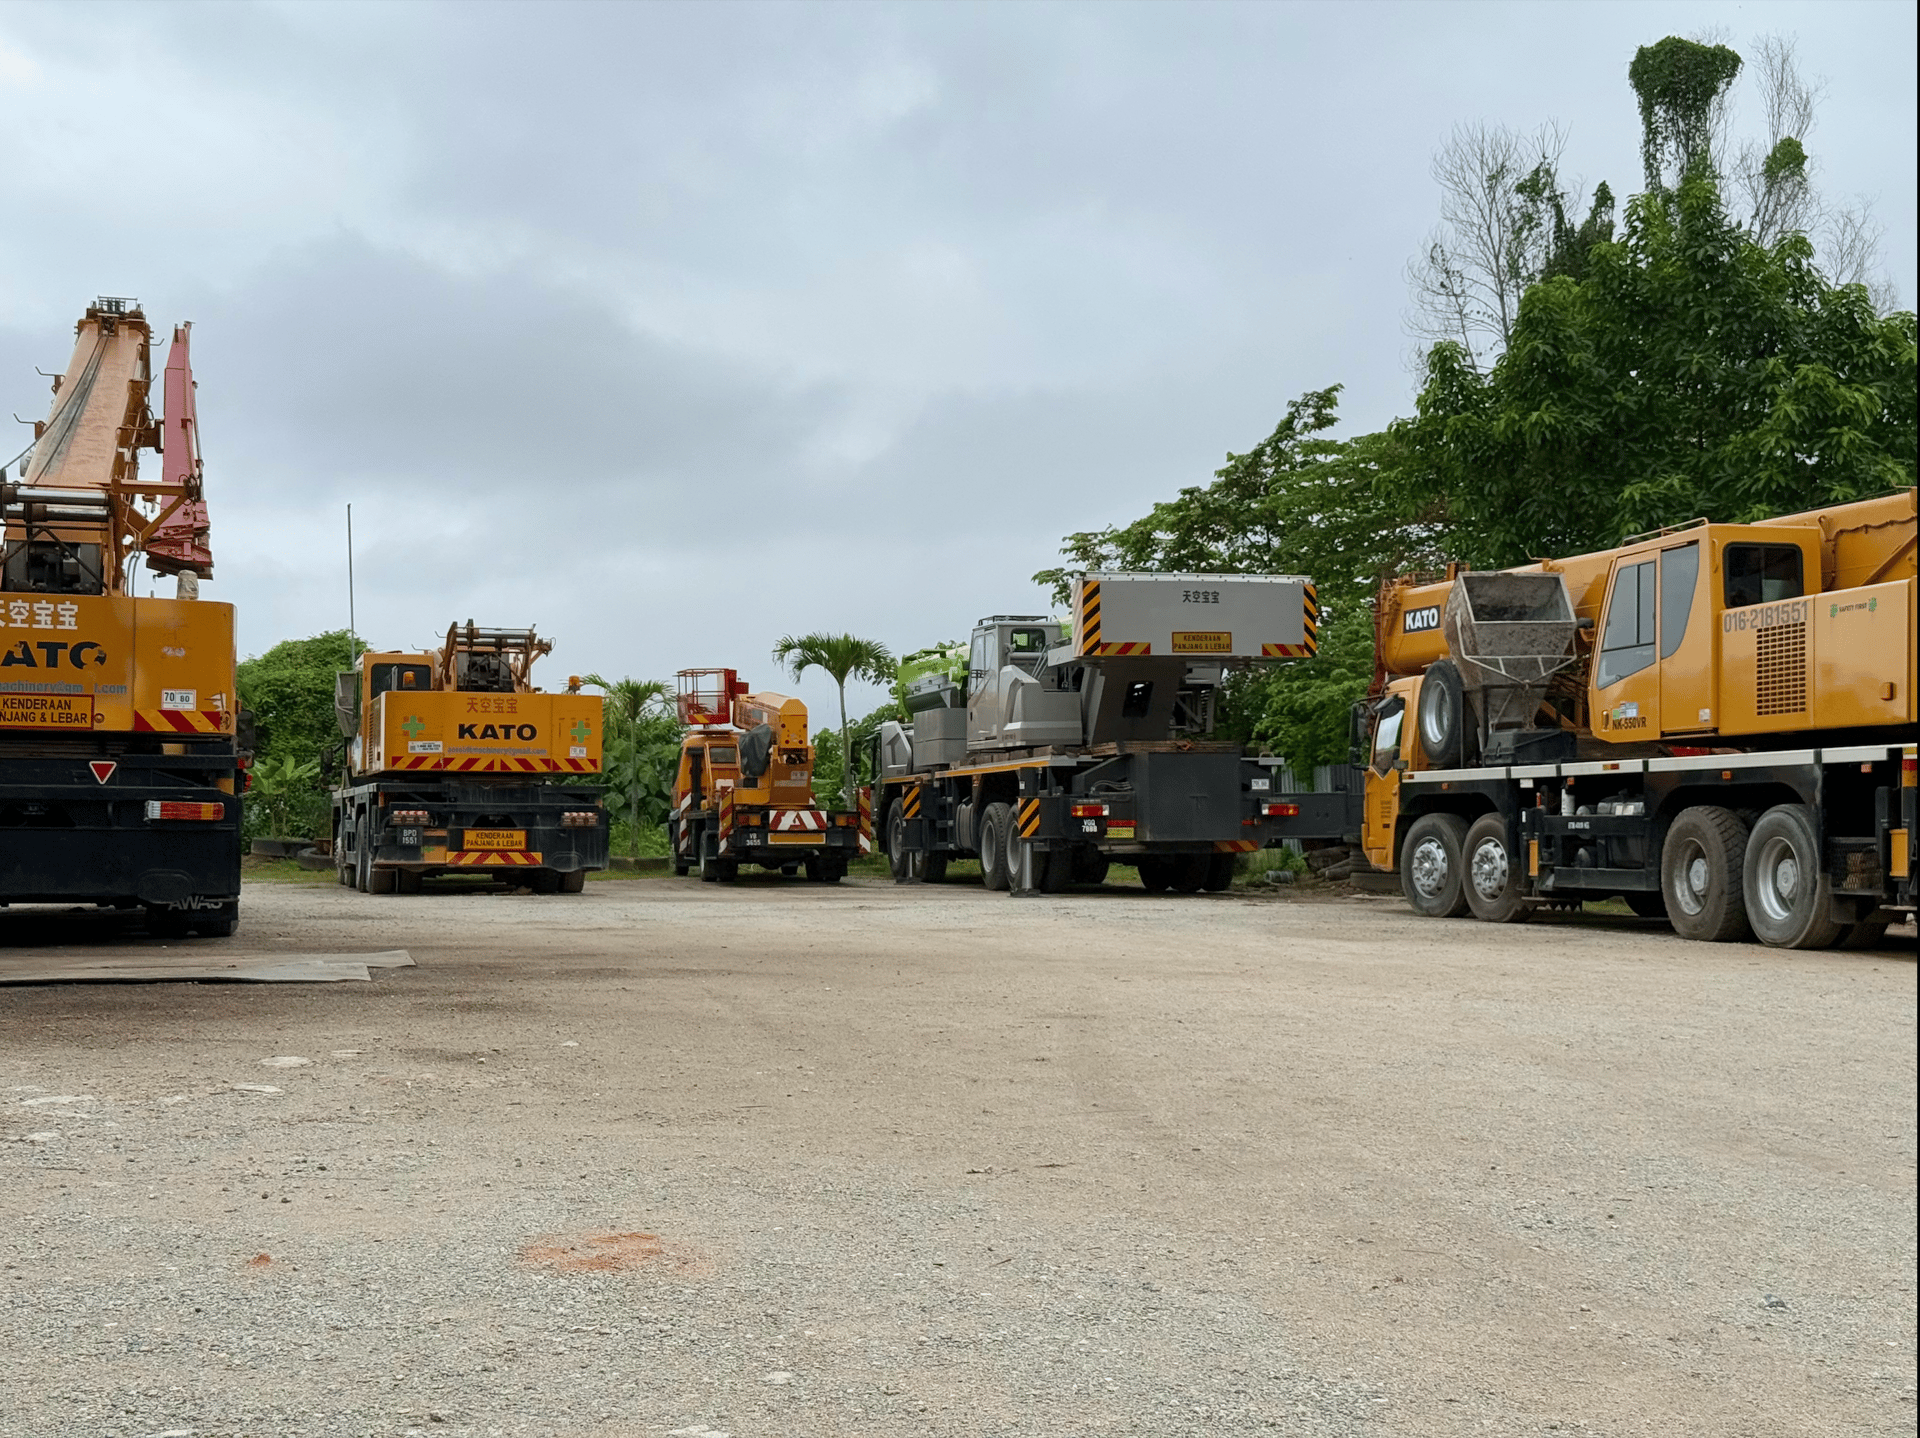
x: 799, y: 821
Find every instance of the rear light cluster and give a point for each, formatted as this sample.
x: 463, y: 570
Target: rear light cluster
x: 1089, y: 811
x: 1277, y: 810
x: 410, y: 816
x: 580, y: 818
x: 176, y: 809
x: 845, y: 821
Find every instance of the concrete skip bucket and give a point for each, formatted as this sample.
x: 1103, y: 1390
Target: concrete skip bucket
x: 1509, y: 634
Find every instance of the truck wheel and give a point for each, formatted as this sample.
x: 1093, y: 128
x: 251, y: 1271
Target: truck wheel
x: 1053, y: 871
x: 1431, y: 861
x: 933, y: 868
x: 407, y: 881
x: 1647, y: 906
x: 899, y: 861
x: 380, y: 881
x: 1156, y: 873
x: 544, y: 881
x: 1219, y: 873
x: 1701, y: 871
x: 574, y: 881
x: 1789, y: 893
x: 363, y: 865
x: 995, y: 825
x: 1089, y: 866
x: 1189, y: 872
x: 1442, y: 715
x: 1492, y: 880
x: 219, y: 923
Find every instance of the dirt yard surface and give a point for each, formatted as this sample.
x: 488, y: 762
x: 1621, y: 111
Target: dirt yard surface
x: 670, y: 1158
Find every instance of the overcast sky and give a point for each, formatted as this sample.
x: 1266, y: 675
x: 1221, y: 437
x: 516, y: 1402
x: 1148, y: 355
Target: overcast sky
x: 672, y: 329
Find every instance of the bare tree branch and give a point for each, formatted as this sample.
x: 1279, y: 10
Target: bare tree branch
x: 1491, y: 242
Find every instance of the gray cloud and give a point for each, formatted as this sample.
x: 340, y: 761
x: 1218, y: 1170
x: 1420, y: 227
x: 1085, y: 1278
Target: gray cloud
x: 673, y: 328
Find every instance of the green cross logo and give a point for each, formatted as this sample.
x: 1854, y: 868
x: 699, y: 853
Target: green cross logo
x: 414, y: 725
x: 581, y: 728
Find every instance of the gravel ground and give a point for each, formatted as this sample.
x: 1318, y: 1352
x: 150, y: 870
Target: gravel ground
x: 667, y: 1158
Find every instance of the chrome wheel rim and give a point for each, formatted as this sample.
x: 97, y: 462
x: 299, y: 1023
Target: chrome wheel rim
x: 1691, y: 876
x: 1488, y: 869
x: 1428, y: 867
x: 1778, y: 878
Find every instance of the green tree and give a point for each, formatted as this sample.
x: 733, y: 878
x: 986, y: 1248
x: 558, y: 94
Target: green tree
x: 289, y: 692
x: 281, y: 782
x: 640, y: 750
x: 1691, y: 371
x: 844, y: 657
x: 1300, y: 502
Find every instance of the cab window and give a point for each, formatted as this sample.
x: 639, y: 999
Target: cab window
x: 1386, y: 734
x: 722, y: 756
x: 409, y: 677
x: 1679, y: 574
x: 1022, y: 643
x: 980, y: 662
x: 1627, y: 647
x: 1761, y: 574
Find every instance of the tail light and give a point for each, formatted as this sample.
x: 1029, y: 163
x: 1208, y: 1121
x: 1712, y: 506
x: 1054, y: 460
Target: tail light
x: 1089, y: 811
x: 410, y: 816
x: 175, y: 809
x: 845, y: 821
x: 1282, y: 811
x: 580, y: 818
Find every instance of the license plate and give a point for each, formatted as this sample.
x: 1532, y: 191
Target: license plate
x: 47, y: 711
x: 808, y: 838
x: 495, y: 839
x: 407, y: 838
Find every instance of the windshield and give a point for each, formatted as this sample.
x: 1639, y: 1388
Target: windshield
x: 1386, y: 735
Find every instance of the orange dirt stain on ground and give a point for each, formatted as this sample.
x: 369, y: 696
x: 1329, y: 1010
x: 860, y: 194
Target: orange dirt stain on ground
x: 592, y: 1252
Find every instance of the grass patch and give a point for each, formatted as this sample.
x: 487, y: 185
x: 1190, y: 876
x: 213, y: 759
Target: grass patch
x: 262, y: 869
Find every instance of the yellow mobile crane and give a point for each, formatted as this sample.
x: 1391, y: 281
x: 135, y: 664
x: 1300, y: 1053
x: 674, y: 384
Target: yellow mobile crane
x: 122, y: 751
x: 1714, y: 721
x: 448, y: 762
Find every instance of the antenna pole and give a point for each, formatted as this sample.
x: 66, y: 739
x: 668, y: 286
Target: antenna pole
x: 353, y: 631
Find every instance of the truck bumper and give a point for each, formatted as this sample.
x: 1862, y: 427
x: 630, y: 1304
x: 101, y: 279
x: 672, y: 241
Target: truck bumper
x: 67, y: 835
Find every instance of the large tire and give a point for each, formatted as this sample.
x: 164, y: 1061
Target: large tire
x: 544, y: 881
x: 933, y: 868
x: 1702, y: 871
x: 716, y: 870
x: 1431, y: 861
x: 1647, y: 904
x: 380, y: 881
x: 1442, y: 716
x: 168, y: 923
x: 996, y: 824
x: 1053, y: 871
x: 1492, y: 881
x: 363, y: 865
x: 1789, y: 892
x: 574, y: 881
x: 1089, y: 866
x: 407, y: 881
x: 899, y: 861
x: 1219, y: 873
x: 1157, y: 873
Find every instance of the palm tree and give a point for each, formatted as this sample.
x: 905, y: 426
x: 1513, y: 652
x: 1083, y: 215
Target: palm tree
x: 844, y: 657
x: 628, y: 699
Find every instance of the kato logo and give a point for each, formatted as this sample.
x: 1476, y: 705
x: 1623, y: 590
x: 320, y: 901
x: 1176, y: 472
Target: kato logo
x: 525, y: 733
x: 1421, y: 621
x: 84, y: 655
